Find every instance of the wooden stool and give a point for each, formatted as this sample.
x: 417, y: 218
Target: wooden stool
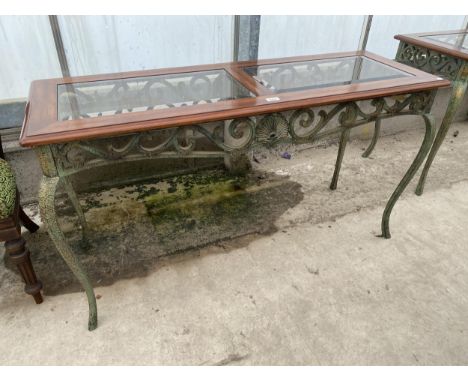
x: 11, y: 218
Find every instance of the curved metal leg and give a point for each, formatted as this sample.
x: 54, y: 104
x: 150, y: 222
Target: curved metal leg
x: 458, y: 92
x: 47, y: 208
x: 424, y: 149
x: 375, y: 137
x: 341, y: 149
x: 76, y: 203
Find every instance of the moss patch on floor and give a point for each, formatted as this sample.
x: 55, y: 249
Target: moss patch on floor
x: 134, y: 227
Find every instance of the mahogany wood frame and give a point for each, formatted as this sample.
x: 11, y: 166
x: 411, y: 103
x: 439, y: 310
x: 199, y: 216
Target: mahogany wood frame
x: 41, y: 127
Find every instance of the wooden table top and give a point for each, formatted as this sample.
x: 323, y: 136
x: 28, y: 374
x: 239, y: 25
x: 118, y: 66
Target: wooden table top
x: 237, y: 89
x: 453, y: 43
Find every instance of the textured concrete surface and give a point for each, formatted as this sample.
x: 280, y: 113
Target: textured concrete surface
x: 319, y: 288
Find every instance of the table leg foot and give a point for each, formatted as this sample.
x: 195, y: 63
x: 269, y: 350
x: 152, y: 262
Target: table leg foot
x: 375, y: 137
x: 424, y: 149
x: 341, y: 150
x: 458, y: 92
x: 48, y: 214
x: 19, y: 254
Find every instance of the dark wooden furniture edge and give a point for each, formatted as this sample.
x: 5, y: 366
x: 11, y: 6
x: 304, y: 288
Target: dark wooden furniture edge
x: 17, y: 251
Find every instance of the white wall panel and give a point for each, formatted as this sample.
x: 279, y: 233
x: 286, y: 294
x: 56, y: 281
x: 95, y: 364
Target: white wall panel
x: 383, y: 29
x: 283, y: 36
x: 27, y: 52
x: 102, y: 44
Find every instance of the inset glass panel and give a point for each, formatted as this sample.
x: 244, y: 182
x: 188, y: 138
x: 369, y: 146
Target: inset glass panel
x: 129, y: 95
x: 457, y: 40
x: 295, y: 76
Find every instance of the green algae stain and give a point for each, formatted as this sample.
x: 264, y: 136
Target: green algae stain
x: 194, y: 201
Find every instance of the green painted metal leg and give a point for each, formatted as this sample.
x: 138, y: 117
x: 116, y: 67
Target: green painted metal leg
x: 47, y: 208
x: 375, y: 137
x: 424, y: 149
x: 76, y: 203
x: 341, y: 150
x: 458, y: 93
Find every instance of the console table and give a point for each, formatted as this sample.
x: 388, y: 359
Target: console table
x: 83, y: 122
x: 444, y: 54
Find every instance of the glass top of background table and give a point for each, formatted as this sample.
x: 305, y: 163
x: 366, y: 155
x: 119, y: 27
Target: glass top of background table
x: 453, y: 43
x: 458, y: 40
x: 99, y: 98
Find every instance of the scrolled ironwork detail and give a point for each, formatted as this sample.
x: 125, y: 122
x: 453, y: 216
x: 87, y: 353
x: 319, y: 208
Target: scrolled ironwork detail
x: 237, y: 135
x: 429, y: 60
x: 271, y: 129
x: 103, y: 98
x: 241, y: 133
x: 183, y: 141
x: 303, y: 124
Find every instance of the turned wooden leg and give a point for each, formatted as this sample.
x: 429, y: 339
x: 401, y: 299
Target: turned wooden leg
x: 19, y: 254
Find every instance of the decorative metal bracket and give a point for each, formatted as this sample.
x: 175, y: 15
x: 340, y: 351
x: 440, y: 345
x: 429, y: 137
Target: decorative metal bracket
x: 238, y: 135
x: 429, y: 60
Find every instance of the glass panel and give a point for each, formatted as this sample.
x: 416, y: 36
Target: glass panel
x: 459, y: 40
x: 94, y: 99
x: 321, y: 73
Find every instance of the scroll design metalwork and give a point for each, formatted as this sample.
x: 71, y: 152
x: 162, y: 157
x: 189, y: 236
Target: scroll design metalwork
x: 305, y: 124
x: 299, y: 73
x: 298, y: 126
x: 429, y: 60
x: 155, y: 92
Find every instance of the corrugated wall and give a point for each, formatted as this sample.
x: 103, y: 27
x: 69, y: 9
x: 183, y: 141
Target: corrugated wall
x: 100, y: 44
x: 27, y: 52
x: 282, y: 36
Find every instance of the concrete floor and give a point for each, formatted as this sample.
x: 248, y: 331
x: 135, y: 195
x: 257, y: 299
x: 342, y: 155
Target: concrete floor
x: 318, y: 289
